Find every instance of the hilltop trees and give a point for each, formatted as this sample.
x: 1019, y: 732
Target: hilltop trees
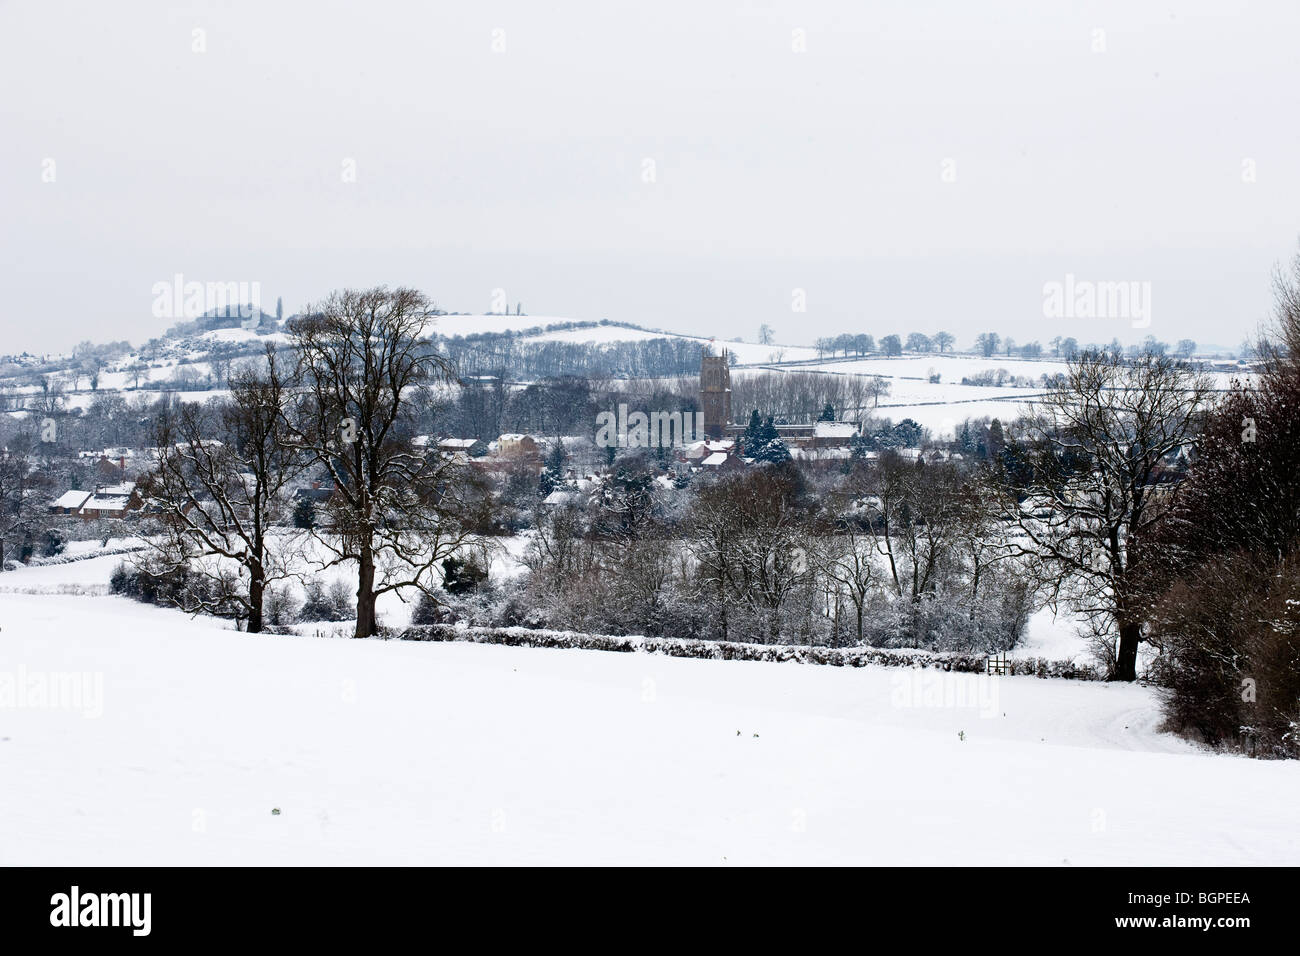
x: 987, y: 343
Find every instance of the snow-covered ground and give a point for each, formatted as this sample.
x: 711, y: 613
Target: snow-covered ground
x: 187, y: 735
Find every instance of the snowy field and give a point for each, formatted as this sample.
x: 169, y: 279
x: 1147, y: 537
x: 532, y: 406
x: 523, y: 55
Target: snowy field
x: 185, y: 736
x: 942, y: 406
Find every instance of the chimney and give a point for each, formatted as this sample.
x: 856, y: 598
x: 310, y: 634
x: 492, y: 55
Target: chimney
x: 121, y: 460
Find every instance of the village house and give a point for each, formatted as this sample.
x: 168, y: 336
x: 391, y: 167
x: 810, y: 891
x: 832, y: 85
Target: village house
x: 696, y: 452
x: 69, y: 503
x: 459, y: 446
x: 111, y: 501
x: 517, y: 446
x: 818, y: 435
x: 722, y: 461
x: 832, y: 434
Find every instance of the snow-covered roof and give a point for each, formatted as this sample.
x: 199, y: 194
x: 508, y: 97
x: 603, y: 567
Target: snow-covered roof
x: 714, y: 460
x: 70, y: 499
x: 834, y: 430
x: 107, y: 503
x: 821, y: 454
x: 460, y: 443
x: 108, y: 453
x: 699, y: 449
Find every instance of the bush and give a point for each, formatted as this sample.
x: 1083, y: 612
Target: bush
x: 1230, y: 670
x: 124, y: 581
x: 462, y: 577
x: 279, y: 608
x: 304, y: 514
x: 430, y: 610
x: 172, y: 587
x: 322, y: 604
x: 52, y: 542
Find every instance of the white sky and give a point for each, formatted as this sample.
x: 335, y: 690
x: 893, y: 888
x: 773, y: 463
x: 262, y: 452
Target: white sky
x: 775, y: 170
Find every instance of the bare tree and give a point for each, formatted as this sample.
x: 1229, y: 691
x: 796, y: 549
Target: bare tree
x: 396, y: 511
x: 1100, y: 439
x: 22, y: 497
x: 222, y: 484
x: 845, y: 554
x: 750, y: 537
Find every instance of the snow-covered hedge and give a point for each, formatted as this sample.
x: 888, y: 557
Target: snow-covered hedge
x: 737, y: 651
x: 80, y: 590
x: 87, y: 556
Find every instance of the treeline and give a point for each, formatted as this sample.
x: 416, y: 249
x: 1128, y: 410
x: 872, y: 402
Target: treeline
x: 511, y: 355
x: 567, y: 404
x: 895, y: 554
x: 797, y: 398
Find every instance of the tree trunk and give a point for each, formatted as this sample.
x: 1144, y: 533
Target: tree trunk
x: 256, y: 592
x: 366, y: 595
x: 1126, y: 656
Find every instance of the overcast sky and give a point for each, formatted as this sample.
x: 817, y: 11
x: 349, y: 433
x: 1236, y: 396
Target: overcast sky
x: 919, y: 166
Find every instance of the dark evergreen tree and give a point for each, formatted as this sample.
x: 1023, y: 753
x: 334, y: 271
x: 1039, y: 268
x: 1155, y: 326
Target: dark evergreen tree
x: 304, y: 514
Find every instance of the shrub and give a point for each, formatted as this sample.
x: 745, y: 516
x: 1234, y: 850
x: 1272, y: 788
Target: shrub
x: 279, y: 608
x: 1231, y: 638
x: 334, y: 603
x: 124, y: 581
x: 428, y: 610
x: 462, y: 577
x: 304, y: 514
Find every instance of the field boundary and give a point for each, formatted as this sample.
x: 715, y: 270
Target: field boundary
x: 739, y: 651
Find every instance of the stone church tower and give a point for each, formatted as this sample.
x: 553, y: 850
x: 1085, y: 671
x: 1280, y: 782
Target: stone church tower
x: 715, y: 393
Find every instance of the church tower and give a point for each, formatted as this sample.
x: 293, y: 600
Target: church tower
x: 715, y: 393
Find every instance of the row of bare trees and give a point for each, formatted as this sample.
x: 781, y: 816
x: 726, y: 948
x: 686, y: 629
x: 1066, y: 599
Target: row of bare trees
x: 343, y: 412
x: 800, y: 397
x: 1066, y: 508
x: 896, y: 552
